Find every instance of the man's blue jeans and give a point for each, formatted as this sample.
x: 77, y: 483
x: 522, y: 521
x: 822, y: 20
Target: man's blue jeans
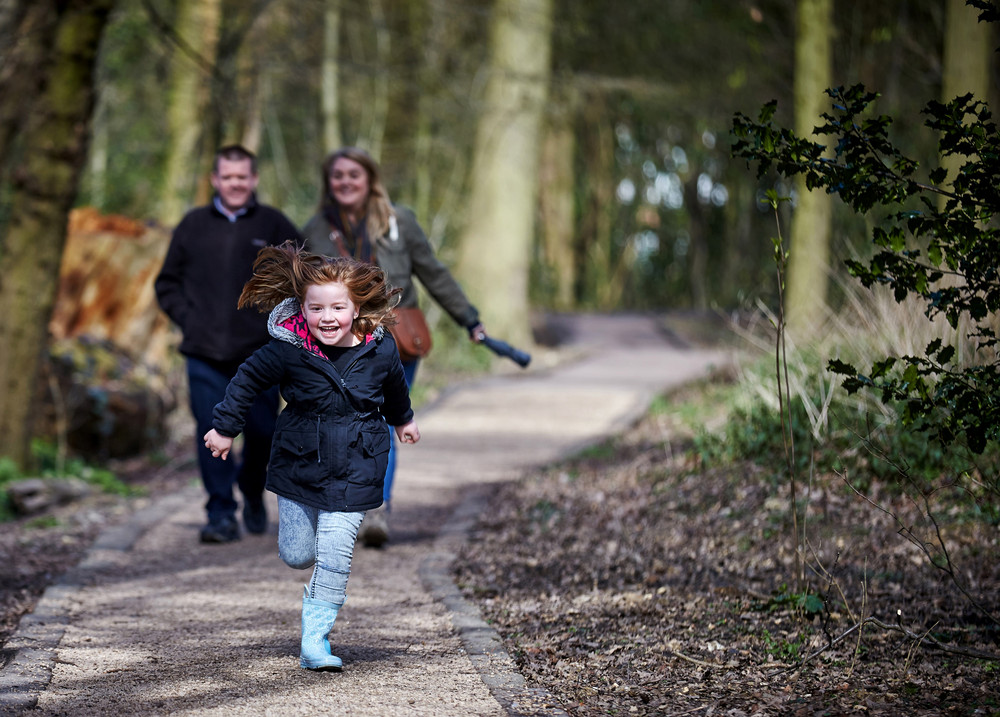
x: 207, y: 381
x: 309, y: 537
x: 410, y: 372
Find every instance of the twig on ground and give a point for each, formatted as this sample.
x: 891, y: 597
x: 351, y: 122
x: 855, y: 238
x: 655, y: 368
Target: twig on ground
x: 923, y: 505
x: 690, y: 711
x: 916, y: 637
x: 692, y: 659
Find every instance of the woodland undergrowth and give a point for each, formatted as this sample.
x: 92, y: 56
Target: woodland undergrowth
x: 653, y: 573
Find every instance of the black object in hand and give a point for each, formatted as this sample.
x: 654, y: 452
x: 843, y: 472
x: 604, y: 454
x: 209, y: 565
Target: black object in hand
x: 502, y: 348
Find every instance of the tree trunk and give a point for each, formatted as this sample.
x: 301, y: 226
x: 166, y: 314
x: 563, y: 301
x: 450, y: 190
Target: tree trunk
x: 26, y: 32
x: 556, y: 199
x: 55, y: 136
x: 187, y: 97
x: 379, y: 104
x: 966, y: 68
x: 495, y: 252
x: 331, y: 76
x: 697, y: 256
x: 11, y: 12
x: 276, y: 141
x: 434, y: 37
x: 967, y: 53
x: 100, y: 143
x: 235, y: 110
x: 248, y: 78
x: 595, y: 251
x: 809, y: 250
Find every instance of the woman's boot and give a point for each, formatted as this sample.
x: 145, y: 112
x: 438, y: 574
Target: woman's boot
x: 318, y: 617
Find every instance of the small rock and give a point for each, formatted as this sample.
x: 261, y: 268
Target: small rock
x: 33, y: 495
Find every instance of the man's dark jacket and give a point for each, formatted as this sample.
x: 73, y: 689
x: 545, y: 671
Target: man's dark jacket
x: 209, y: 260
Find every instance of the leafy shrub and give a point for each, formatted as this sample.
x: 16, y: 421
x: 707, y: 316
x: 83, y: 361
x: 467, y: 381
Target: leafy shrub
x: 938, y: 244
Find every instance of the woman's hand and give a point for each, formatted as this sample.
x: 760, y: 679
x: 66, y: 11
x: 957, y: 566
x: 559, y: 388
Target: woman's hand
x: 219, y: 444
x: 477, y: 333
x: 408, y: 432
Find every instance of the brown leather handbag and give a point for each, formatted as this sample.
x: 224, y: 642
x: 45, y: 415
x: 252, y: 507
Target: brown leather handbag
x: 413, y: 336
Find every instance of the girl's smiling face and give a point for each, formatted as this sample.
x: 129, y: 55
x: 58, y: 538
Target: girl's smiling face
x: 330, y: 313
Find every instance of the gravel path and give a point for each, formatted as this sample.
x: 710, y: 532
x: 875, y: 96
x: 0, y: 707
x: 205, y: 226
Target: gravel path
x: 154, y: 623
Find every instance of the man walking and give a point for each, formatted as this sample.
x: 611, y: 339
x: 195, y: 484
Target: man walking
x: 210, y: 258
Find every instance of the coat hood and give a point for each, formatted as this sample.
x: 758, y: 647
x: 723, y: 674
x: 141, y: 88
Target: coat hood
x: 278, y: 322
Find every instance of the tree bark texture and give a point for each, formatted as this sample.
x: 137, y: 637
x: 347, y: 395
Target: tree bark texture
x: 330, y: 94
x: 55, y: 137
x: 697, y: 257
x: 809, y: 250
x: 248, y: 126
x: 377, y: 109
x: 495, y: 251
x: 595, y: 250
x: 100, y: 146
x: 556, y: 200
x: 966, y: 68
x: 26, y: 34
x: 436, y: 38
x: 188, y: 95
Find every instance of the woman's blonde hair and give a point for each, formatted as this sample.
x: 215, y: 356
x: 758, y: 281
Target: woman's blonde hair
x: 280, y: 272
x: 378, y: 209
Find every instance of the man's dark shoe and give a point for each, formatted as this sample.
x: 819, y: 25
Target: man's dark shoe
x: 220, y: 530
x: 255, y: 517
x: 374, y: 530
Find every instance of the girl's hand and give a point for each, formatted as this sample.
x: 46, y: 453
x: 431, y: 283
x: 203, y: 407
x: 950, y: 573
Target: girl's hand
x: 218, y: 444
x: 408, y: 432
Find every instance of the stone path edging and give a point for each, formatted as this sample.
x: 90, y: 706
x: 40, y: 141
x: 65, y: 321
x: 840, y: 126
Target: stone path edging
x: 38, y: 634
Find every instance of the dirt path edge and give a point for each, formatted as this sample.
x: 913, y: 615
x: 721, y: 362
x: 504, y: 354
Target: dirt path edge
x: 32, y: 647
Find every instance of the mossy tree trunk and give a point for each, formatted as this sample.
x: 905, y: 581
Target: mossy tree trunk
x: 809, y: 250
x: 377, y: 109
x: 495, y: 251
x: 26, y: 32
x: 557, y: 196
x: 197, y: 27
x: 54, y: 139
x: 330, y: 93
x: 433, y: 28
x: 601, y: 266
x: 966, y: 68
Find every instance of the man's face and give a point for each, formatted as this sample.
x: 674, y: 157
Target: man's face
x: 235, y: 182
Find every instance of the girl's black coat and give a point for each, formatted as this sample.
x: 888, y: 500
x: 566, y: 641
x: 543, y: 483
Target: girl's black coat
x: 331, y: 443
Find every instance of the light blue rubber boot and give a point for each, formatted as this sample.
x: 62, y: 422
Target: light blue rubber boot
x: 318, y: 617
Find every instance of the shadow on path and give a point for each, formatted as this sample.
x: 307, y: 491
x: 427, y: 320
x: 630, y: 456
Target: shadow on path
x: 154, y: 623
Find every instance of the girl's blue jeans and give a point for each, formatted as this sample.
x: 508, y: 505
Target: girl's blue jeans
x: 324, y: 541
x: 410, y: 372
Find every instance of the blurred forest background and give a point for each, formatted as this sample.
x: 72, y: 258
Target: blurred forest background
x: 571, y: 156
x: 563, y: 155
